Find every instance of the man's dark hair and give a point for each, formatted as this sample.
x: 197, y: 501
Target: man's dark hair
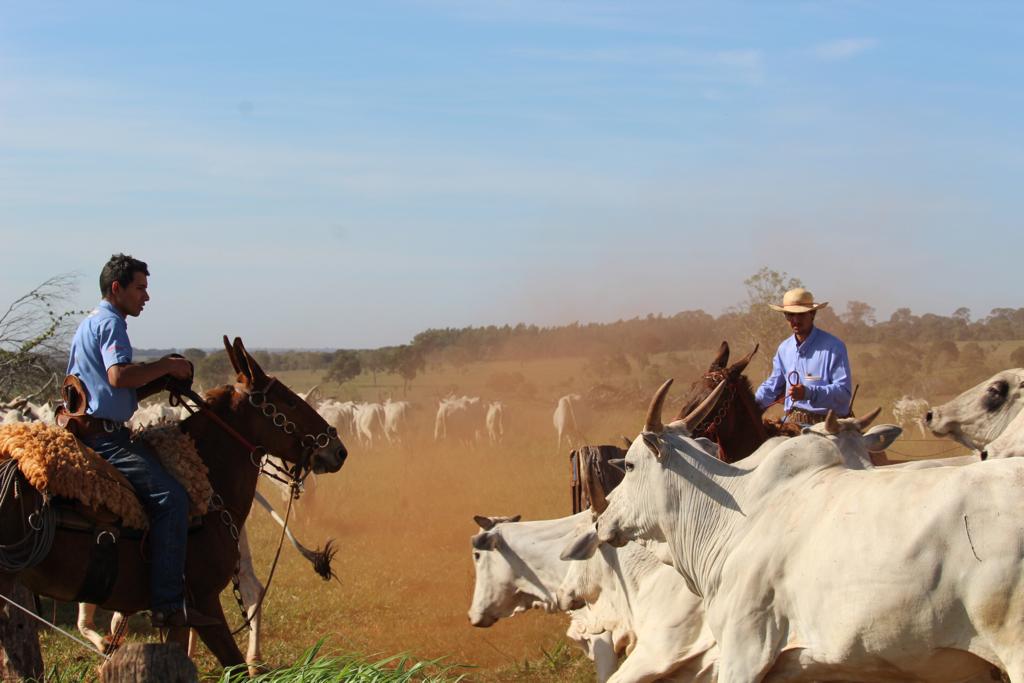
x: 120, y: 268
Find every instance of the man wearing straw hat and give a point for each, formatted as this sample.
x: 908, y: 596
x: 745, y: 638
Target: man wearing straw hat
x: 813, y: 363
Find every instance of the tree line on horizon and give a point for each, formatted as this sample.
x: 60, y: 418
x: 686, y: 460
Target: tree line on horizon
x: 33, y: 344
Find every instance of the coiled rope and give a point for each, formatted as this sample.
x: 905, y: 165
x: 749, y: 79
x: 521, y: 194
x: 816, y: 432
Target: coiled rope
x: 34, y: 546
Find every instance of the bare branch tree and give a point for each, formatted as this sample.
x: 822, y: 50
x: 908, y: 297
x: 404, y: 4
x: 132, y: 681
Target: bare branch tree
x: 34, y: 339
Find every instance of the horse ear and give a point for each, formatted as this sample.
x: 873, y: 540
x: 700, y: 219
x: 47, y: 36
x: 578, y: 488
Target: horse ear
x: 722, y: 358
x: 231, y: 356
x: 739, y: 366
x: 251, y: 369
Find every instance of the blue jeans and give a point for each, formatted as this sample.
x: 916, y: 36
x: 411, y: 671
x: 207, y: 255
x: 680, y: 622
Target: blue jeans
x: 166, y: 504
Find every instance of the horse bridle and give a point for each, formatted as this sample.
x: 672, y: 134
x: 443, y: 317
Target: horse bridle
x: 257, y: 398
x: 711, y: 423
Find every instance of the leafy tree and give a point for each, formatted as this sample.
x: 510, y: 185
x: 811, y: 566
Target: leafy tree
x: 858, y: 313
x: 213, y: 369
x: 409, y: 362
x: 344, y: 367
x: 194, y: 355
x: 759, y: 323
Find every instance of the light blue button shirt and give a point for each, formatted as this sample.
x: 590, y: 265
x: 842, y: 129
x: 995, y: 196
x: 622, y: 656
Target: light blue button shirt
x: 101, y: 342
x: 824, y: 368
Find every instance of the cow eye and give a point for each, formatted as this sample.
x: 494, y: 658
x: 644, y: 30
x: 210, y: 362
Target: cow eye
x: 628, y: 466
x: 995, y: 395
x: 476, y: 556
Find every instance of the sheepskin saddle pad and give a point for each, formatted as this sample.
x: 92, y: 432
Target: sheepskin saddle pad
x: 56, y: 463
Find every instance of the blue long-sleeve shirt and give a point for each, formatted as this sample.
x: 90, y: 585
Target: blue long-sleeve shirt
x: 824, y: 368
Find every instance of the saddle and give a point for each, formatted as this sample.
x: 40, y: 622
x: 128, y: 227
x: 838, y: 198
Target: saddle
x: 596, y: 461
x: 57, y: 464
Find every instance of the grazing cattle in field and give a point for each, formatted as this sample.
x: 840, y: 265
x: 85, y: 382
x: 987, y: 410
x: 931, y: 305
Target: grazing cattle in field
x: 338, y: 414
x: 368, y: 419
x: 980, y: 414
x: 495, y: 422
x: 811, y: 571
x: 459, y: 419
x: 908, y: 411
x: 156, y: 414
x: 396, y: 414
x: 568, y: 420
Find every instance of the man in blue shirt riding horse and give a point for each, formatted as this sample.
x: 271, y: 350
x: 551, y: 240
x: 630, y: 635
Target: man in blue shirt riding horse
x: 813, y: 363
x: 101, y: 358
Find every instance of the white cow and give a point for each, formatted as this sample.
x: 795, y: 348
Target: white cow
x: 854, y: 444
x: 369, y: 422
x: 1009, y: 444
x: 908, y: 411
x: 568, y: 420
x: 396, y: 414
x: 340, y: 415
x: 650, y: 611
x: 517, y: 568
x: 811, y: 571
x: 980, y: 414
x: 156, y: 414
x: 460, y: 420
x: 495, y: 422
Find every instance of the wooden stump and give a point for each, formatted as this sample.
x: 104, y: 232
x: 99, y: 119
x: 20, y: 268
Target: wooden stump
x: 149, y: 663
x: 20, y: 656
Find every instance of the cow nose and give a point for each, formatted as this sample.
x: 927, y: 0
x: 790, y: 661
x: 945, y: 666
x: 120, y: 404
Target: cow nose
x: 342, y: 454
x: 928, y: 416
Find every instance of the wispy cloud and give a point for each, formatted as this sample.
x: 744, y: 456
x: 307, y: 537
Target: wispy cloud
x: 845, y: 48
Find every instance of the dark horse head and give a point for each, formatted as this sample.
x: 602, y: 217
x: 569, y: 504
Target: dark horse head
x: 735, y: 423
x: 237, y: 424
x: 292, y: 429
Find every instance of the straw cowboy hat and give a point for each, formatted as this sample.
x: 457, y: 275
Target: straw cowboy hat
x: 798, y: 300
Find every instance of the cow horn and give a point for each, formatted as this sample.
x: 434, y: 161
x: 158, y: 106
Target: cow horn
x: 653, y: 422
x: 864, y: 422
x: 628, y: 442
x: 697, y: 415
x: 595, y: 492
x: 831, y: 423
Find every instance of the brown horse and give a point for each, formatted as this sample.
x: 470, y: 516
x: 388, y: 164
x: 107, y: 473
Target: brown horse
x: 735, y: 424
x: 263, y: 412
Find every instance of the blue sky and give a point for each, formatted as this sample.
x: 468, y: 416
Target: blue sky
x: 348, y: 174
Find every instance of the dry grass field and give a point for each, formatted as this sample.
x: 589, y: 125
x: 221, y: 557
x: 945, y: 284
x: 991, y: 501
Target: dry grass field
x: 401, y: 516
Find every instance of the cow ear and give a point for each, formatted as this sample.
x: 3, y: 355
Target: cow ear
x: 582, y: 547
x: 488, y: 523
x: 880, y: 437
x: 651, y: 441
x: 485, y: 541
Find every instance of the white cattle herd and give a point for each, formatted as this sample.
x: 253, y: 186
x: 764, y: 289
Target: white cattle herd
x: 803, y: 562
